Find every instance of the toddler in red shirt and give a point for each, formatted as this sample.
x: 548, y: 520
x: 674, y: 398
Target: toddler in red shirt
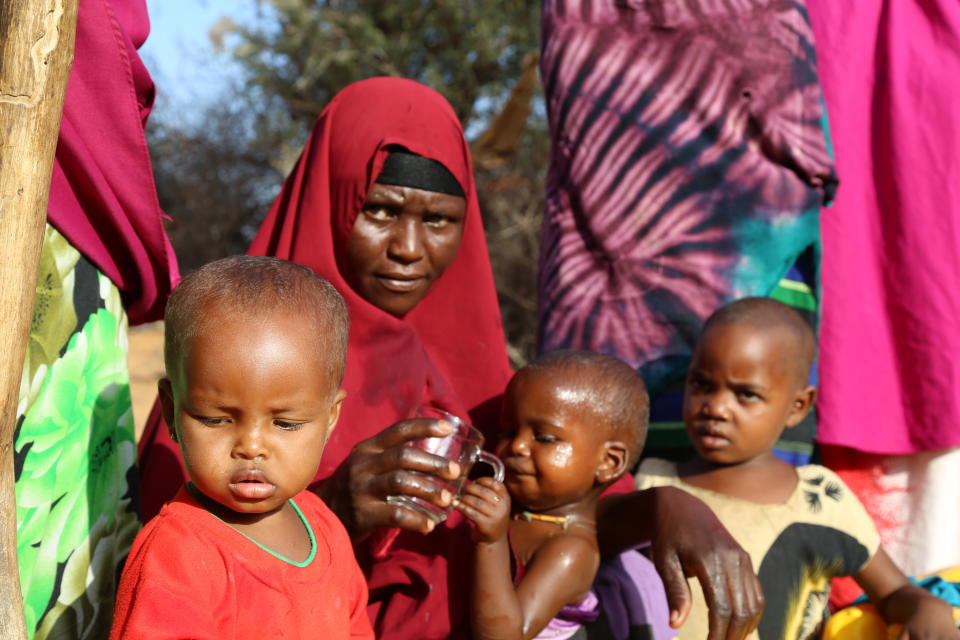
x: 255, y: 352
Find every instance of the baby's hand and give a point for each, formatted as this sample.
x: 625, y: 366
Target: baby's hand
x: 931, y: 621
x: 486, y: 503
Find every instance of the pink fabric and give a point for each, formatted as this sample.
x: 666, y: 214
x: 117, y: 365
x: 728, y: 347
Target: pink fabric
x: 890, y: 334
x: 912, y: 499
x: 102, y: 194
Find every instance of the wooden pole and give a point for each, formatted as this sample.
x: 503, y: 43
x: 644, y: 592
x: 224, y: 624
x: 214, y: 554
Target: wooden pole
x: 36, y: 51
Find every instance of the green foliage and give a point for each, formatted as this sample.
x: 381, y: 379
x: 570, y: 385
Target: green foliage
x: 469, y: 50
x: 217, y: 177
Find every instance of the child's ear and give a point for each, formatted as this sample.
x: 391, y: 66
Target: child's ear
x: 165, y: 391
x: 335, y: 406
x: 802, y: 404
x: 614, y: 463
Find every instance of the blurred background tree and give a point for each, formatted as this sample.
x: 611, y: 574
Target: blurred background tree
x: 216, y: 175
x: 218, y: 171
x: 469, y: 50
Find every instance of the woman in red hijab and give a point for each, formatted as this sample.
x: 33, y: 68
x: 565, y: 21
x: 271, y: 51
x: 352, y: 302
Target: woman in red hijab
x: 382, y: 203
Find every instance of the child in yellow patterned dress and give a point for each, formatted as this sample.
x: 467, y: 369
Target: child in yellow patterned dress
x: 801, y: 525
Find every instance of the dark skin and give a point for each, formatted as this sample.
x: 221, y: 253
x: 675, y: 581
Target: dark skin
x: 381, y: 466
x: 402, y: 241
x: 724, y: 571
x: 252, y: 406
x: 743, y: 388
x: 559, y: 455
x: 686, y: 536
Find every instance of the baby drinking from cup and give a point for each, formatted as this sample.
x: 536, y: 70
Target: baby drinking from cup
x: 573, y: 423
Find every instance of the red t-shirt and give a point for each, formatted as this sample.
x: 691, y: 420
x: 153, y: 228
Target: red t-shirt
x: 190, y: 575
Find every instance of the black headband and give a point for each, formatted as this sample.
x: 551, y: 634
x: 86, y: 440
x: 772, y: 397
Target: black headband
x: 405, y: 169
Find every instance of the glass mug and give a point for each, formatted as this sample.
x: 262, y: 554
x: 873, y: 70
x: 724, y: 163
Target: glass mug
x: 464, y: 445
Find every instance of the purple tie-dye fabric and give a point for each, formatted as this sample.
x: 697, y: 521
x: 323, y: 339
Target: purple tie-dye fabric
x: 688, y: 167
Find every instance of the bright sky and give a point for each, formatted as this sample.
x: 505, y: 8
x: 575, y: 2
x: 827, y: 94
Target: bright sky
x: 186, y: 69
x: 179, y: 53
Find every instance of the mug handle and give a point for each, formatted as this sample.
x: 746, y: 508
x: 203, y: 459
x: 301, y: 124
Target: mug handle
x: 494, y: 462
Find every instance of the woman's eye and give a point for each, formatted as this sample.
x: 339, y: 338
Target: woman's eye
x: 378, y: 213
x: 287, y: 425
x: 436, y: 221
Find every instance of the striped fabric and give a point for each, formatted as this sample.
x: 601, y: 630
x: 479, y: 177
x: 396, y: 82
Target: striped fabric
x: 688, y: 166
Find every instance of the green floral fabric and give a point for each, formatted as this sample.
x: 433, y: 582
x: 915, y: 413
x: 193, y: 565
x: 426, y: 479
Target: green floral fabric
x: 74, y: 449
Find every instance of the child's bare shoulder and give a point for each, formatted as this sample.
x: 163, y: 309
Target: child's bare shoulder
x: 565, y: 563
x: 573, y: 547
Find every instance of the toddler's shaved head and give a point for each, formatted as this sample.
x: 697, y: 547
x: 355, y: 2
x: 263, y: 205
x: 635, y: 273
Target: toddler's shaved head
x: 254, y: 288
x: 775, y: 318
x: 608, y: 387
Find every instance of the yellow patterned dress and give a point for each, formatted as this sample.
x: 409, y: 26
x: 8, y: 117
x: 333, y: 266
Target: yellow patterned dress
x: 820, y: 532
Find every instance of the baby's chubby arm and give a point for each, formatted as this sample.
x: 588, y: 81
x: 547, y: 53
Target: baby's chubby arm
x: 494, y: 608
x: 924, y: 616
x: 561, y: 570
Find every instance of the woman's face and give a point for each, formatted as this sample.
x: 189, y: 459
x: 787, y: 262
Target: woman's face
x: 402, y: 241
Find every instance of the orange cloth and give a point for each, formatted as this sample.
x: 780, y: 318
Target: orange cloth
x: 192, y: 576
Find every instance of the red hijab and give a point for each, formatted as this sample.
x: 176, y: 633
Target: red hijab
x: 449, y: 351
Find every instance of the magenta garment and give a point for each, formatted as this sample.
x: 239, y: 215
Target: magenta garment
x: 102, y: 195
x: 890, y: 332
x: 688, y: 165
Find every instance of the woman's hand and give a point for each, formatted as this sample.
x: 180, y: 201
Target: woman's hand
x: 690, y: 541
x: 382, y: 466
x: 486, y: 504
x: 687, y: 540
